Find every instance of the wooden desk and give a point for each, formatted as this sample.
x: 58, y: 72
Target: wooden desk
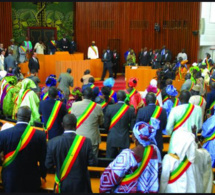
x: 144, y: 73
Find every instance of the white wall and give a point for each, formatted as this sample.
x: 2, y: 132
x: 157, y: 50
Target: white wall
x: 207, y: 40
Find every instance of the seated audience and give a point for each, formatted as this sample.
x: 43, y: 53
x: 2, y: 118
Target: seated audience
x: 211, y: 100
x: 62, y: 151
x: 129, y: 172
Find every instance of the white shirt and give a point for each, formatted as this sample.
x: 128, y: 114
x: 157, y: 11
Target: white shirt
x: 69, y: 131
x: 91, y: 54
x: 39, y: 48
x: 177, y: 112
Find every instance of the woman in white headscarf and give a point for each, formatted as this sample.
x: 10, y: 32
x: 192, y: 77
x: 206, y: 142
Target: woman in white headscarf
x: 135, y: 170
x: 183, y: 170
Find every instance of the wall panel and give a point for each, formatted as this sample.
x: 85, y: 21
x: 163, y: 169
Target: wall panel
x: 5, y: 23
x: 128, y: 24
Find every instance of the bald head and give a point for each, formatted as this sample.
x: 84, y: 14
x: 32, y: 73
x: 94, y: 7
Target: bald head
x: 184, y: 96
x: 24, y: 114
x: 121, y: 95
x: 69, y: 122
x: 150, y: 98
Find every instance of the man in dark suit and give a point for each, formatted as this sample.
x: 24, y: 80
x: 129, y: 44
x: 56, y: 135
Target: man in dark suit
x: 107, y: 63
x: 34, y: 63
x: 115, y: 61
x: 144, y: 57
x: 167, y: 57
x: 78, y: 179
x: 64, y: 44
x: 118, y: 135
x: 144, y: 114
x: 73, y: 46
x: 23, y: 173
x: 157, y: 60
x: 45, y: 110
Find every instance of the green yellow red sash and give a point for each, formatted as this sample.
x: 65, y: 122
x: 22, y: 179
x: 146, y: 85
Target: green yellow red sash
x: 45, y: 96
x: 158, y: 92
x: 156, y: 113
x: 111, y: 93
x: 118, y: 115
x: 201, y: 101
x: 208, y: 65
x: 212, y: 137
x: 6, y: 85
x: 180, y: 170
x: 69, y: 160
x: 211, y: 107
x: 92, y: 86
x: 165, y: 99
x: 179, y: 71
x: 157, y: 103
x: 23, y: 48
x: 104, y: 103
x: 185, y: 116
x: 85, y: 114
x: 213, y: 79
x: 25, y: 93
x: 53, y: 43
x: 176, y: 102
x: 25, y: 139
x: 192, y: 84
x: 52, y: 117
x: 132, y: 93
x: 8, y: 89
x: 70, y: 110
x: 94, y: 50
x: 148, y: 151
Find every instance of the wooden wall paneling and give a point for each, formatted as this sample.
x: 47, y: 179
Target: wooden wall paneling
x: 5, y: 23
x: 125, y: 14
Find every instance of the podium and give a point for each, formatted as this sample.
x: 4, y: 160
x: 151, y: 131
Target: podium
x: 144, y: 74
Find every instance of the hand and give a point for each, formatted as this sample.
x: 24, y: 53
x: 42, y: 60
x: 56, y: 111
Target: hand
x: 194, y: 129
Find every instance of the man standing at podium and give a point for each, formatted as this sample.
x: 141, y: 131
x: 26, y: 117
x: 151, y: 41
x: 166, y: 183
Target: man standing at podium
x: 93, y: 52
x: 64, y: 44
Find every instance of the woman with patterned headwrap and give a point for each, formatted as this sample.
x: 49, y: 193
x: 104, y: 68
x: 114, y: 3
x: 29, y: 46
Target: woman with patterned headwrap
x: 133, y: 96
x: 50, y: 81
x: 135, y: 170
x: 27, y: 97
x: 186, y: 169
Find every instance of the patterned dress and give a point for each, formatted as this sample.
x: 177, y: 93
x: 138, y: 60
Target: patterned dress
x: 126, y: 163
